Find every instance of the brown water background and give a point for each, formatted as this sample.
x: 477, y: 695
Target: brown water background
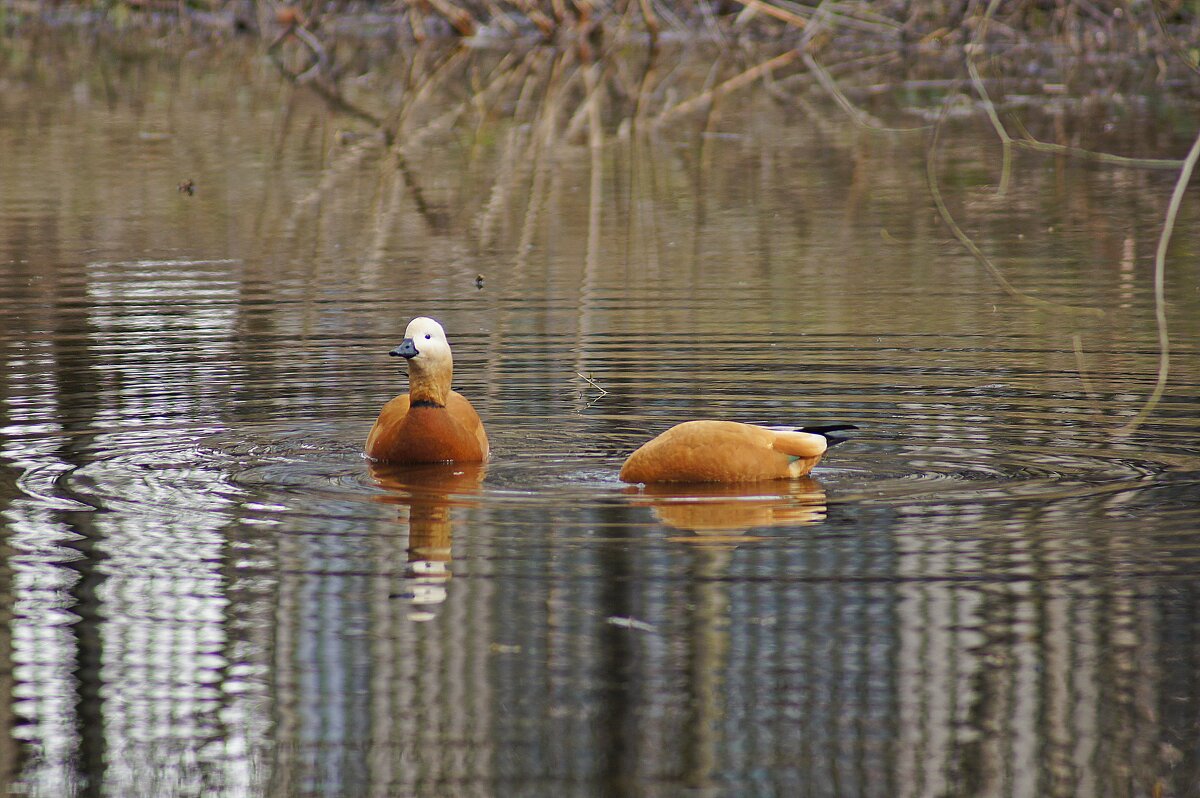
x: 993, y: 589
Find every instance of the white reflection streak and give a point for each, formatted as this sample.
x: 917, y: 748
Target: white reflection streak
x: 42, y: 638
x: 175, y: 719
x: 164, y: 335
x: 935, y: 662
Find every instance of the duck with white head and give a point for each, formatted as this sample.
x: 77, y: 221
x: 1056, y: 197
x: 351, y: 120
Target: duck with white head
x: 431, y: 423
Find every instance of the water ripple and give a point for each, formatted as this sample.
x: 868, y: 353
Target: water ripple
x: 270, y: 471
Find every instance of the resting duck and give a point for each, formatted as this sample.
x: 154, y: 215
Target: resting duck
x: 727, y: 451
x: 430, y: 423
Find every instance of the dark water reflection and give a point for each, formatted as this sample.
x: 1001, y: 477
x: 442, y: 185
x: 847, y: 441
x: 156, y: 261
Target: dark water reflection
x: 206, y: 590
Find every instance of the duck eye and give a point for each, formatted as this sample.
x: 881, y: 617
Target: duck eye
x: 427, y: 336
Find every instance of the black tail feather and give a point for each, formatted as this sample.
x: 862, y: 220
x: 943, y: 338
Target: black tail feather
x: 824, y: 429
x: 821, y: 429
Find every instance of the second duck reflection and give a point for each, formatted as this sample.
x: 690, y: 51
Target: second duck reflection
x: 714, y: 514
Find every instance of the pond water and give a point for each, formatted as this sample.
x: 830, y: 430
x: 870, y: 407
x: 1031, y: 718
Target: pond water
x: 992, y: 589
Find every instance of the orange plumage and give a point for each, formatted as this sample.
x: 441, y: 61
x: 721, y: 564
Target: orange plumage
x: 726, y: 451
x: 430, y: 423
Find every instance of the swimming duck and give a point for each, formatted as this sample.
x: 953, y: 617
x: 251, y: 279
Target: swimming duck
x: 728, y: 451
x: 430, y: 423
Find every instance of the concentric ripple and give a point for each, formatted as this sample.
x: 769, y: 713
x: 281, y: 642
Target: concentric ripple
x: 268, y: 472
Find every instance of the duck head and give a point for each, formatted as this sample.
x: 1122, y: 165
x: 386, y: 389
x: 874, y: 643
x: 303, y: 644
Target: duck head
x: 430, y: 364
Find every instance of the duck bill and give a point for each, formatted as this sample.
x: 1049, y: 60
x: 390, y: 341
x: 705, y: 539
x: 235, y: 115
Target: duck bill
x: 406, y: 350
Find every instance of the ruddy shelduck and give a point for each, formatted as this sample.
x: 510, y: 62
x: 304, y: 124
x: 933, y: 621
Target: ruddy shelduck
x: 430, y: 423
x: 728, y: 451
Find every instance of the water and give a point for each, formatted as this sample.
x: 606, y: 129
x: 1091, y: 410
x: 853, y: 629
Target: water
x: 991, y: 590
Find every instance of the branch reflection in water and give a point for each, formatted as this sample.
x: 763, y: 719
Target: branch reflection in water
x: 430, y: 492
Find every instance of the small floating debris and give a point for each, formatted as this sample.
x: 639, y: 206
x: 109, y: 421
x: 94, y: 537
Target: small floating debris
x: 630, y: 623
x: 592, y: 382
x: 187, y: 187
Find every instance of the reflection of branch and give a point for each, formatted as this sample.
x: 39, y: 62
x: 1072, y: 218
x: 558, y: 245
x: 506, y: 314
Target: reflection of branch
x: 651, y: 20
x: 860, y: 18
x: 1181, y: 53
x: 819, y: 22
x: 321, y: 62
x: 541, y: 145
x: 518, y: 155
x: 860, y: 117
x: 733, y: 84
x: 330, y: 94
x: 931, y: 173
x: 591, y: 76
x: 1029, y: 142
x: 1077, y: 343
x: 1160, y: 299
x: 343, y: 161
x: 437, y: 219
x: 461, y: 20
x: 775, y: 11
x: 989, y: 108
x: 316, y: 76
x: 428, y: 86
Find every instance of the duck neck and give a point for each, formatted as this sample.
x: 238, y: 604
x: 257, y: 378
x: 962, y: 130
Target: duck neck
x: 429, y: 384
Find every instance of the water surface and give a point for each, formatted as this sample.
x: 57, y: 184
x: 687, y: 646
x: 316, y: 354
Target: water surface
x: 991, y: 590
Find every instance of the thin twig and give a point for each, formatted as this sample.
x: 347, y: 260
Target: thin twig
x: 592, y: 383
x: 1160, y: 299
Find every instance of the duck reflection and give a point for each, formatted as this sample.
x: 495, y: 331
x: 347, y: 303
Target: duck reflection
x: 715, y: 510
x: 718, y: 515
x: 430, y: 492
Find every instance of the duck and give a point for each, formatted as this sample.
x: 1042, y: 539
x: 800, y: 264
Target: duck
x: 431, y: 423
x: 729, y: 451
